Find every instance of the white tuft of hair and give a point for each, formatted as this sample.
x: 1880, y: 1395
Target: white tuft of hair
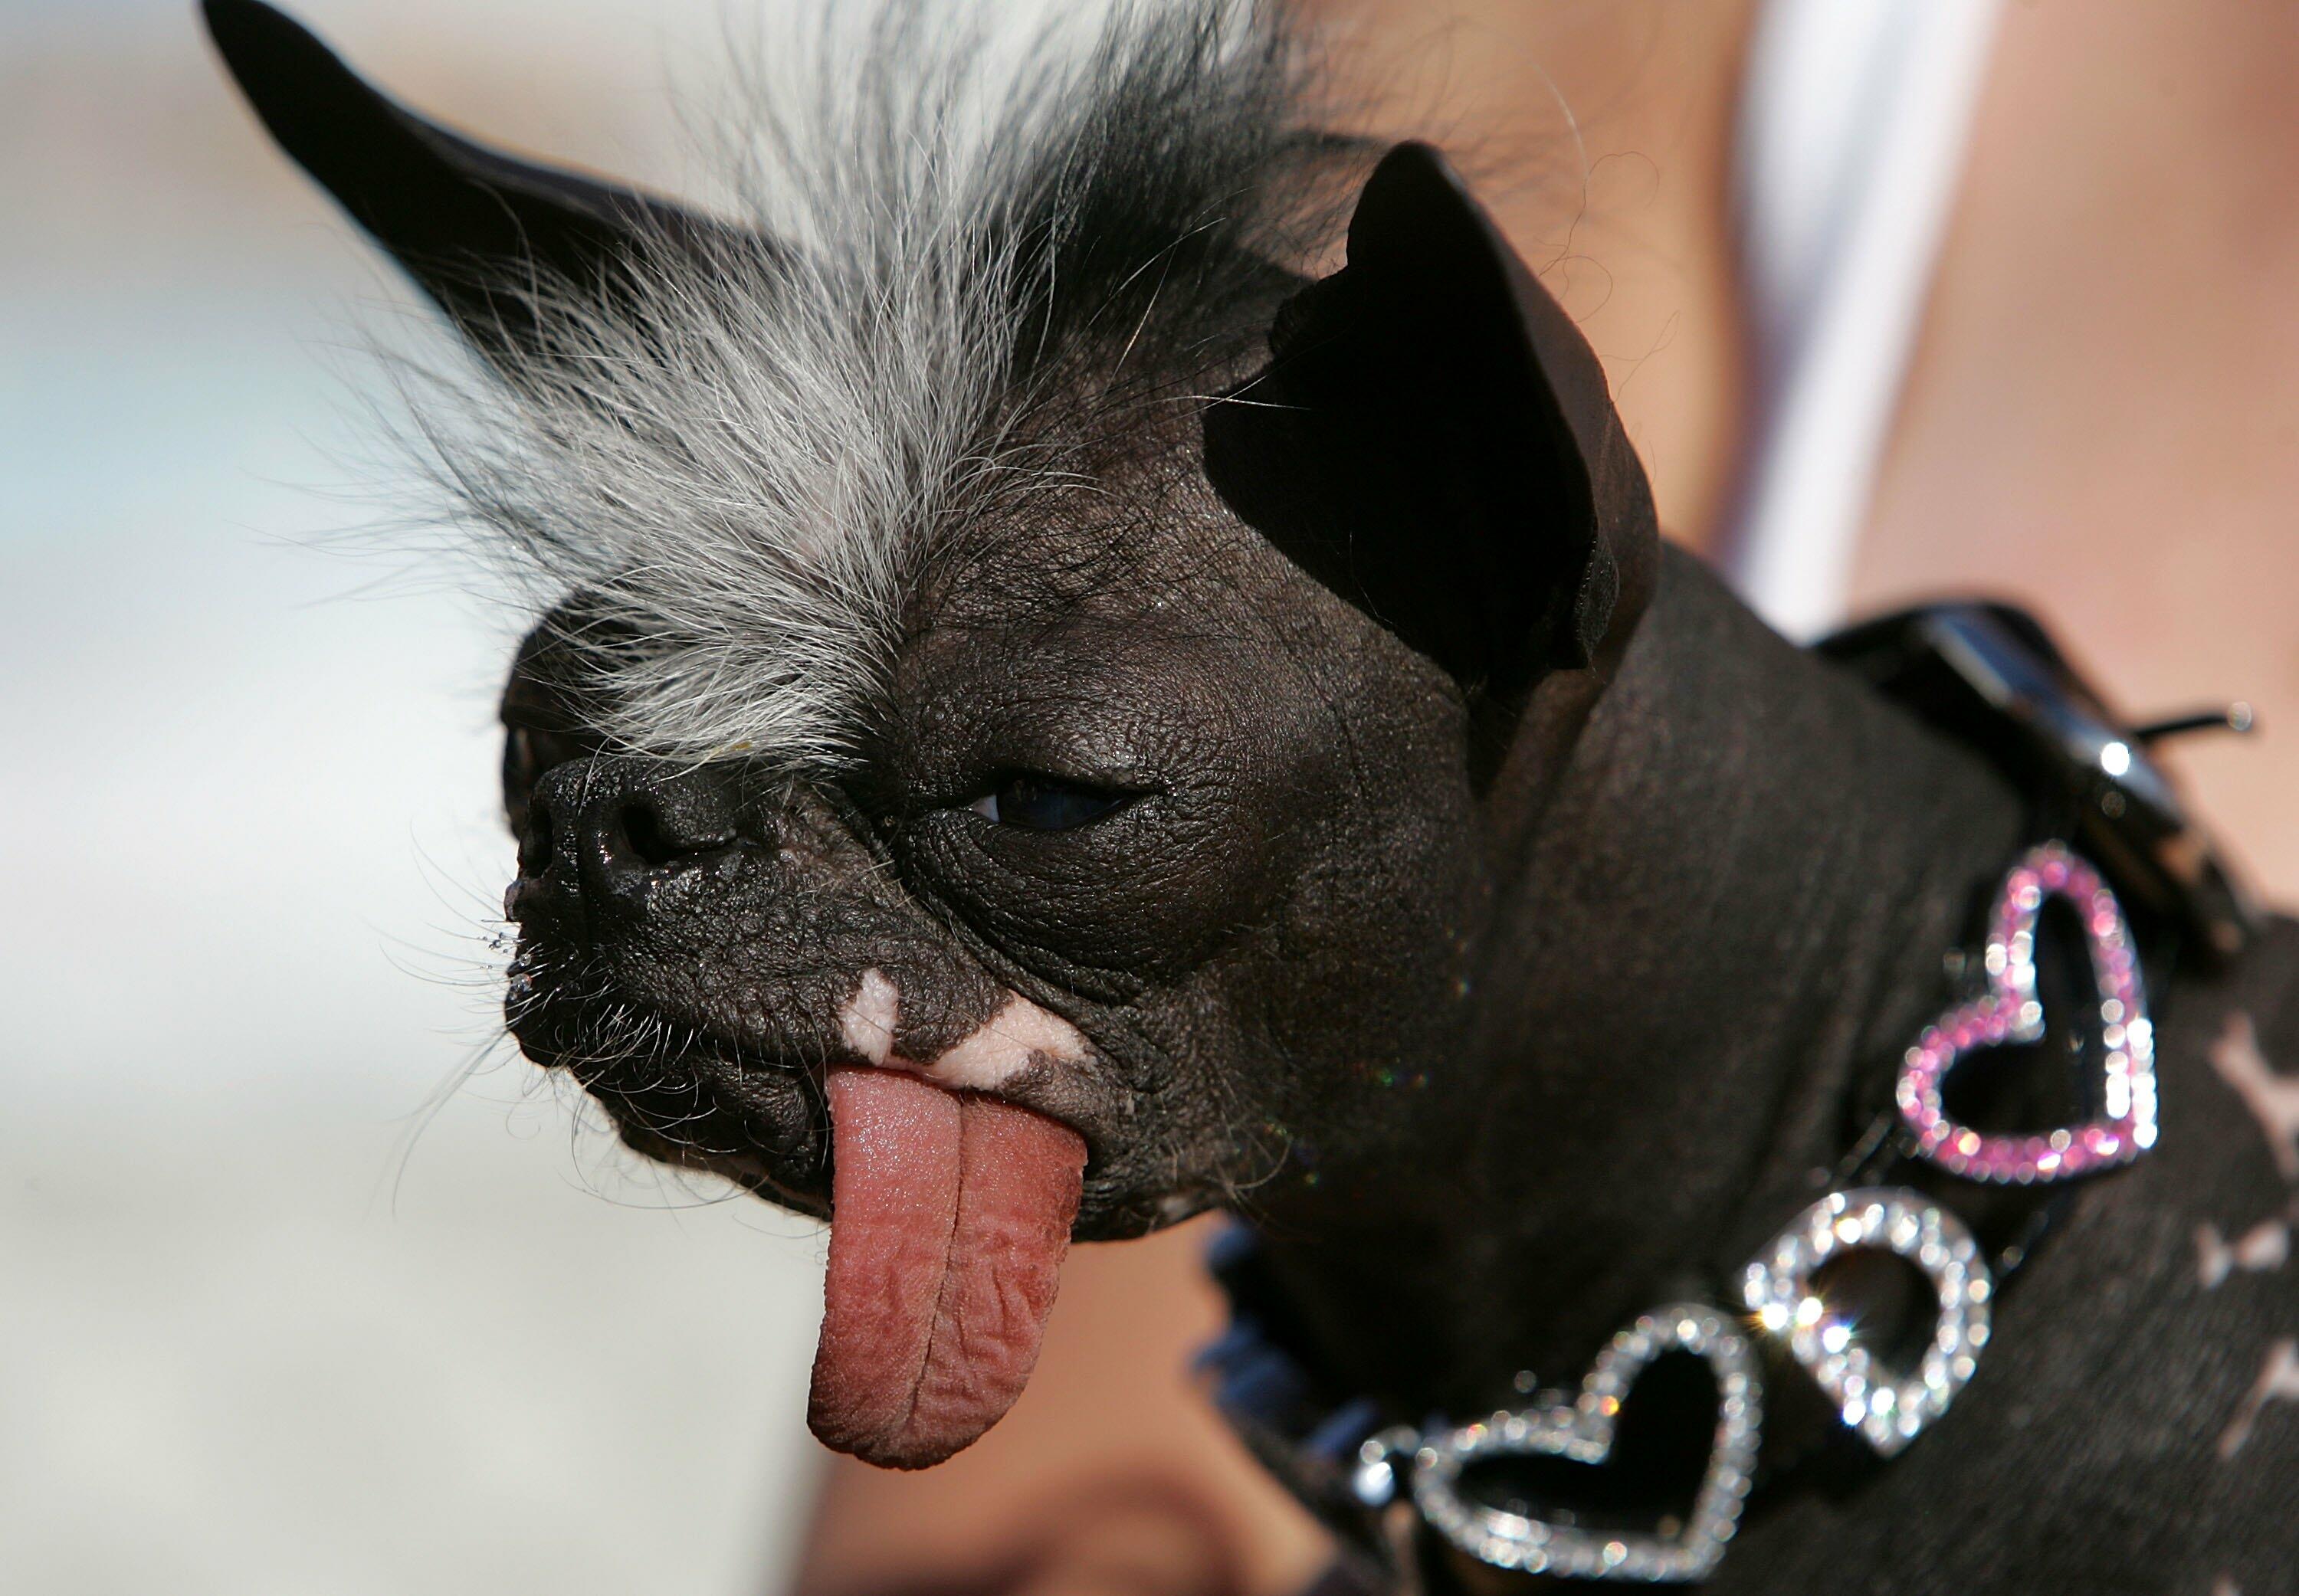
x: 963, y: 257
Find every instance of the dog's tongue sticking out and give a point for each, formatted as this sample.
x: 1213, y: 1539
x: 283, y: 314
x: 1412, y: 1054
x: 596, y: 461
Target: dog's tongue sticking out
x: 950, y: 1218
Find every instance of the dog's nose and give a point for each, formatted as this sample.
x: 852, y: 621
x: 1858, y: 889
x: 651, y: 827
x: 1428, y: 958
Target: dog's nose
x: 601, y: 832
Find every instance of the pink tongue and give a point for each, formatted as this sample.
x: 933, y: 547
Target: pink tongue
x: 950, y: 1218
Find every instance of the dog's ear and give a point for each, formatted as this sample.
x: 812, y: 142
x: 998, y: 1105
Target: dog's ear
x: 1432, y: 440
x: 478, y: 230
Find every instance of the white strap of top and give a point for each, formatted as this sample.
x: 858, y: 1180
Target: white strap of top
x: 1853, y: 118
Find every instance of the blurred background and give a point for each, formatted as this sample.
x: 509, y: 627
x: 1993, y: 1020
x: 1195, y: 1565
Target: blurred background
x: 287, y: 1303
x: 307, y: 1285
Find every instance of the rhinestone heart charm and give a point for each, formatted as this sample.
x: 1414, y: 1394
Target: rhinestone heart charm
x: 1583, y: 1431
x: 2011, y: 1012
x: 1890, y: 1409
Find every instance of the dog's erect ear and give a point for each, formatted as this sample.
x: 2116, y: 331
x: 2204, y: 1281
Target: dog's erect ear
x: 473, y: 226
x: 1432, y: 440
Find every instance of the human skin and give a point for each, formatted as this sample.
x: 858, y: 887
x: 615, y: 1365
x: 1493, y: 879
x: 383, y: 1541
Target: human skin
x: 2100, y: 415
x: 2097, y: 417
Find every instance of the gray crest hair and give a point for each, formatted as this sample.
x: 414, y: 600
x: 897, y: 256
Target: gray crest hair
x: 963, y: 262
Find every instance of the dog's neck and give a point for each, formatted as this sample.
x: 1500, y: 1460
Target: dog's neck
x: 1694, y: 974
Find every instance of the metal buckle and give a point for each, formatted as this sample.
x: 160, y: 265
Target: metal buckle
x: 1990, y: 677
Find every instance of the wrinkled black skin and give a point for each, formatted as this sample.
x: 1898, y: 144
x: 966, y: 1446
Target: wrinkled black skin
x: 1504, y: 922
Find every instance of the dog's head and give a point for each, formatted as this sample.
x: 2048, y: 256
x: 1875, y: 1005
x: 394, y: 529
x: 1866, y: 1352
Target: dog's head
x: 1035, y: 686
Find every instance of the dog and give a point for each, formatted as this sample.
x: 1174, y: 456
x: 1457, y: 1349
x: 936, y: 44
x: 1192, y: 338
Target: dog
x: 1107, y: 656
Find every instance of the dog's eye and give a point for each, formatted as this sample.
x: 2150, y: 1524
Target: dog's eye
x: 1037, y: 802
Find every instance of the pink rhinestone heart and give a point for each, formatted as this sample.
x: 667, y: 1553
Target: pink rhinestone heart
x: 2011, y: 1012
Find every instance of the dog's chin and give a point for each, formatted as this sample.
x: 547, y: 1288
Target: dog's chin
x: 951, y: 1208
x: 683, y: 1097
x: 688, y: 1095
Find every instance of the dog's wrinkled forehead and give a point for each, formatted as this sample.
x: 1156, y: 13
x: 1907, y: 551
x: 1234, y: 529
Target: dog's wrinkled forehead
x: 794, y: 668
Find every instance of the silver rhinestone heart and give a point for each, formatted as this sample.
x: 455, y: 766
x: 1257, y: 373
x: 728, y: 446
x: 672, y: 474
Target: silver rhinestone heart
x: 1583, y: 1431
x: 1888, y: 1411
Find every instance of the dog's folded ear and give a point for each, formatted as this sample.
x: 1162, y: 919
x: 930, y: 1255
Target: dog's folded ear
x: 1434, y: 440
x: 480, y: 231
